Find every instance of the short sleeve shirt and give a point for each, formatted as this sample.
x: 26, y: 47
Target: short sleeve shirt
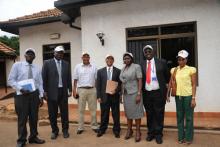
x: 85, y: 75
x: 183, y: 80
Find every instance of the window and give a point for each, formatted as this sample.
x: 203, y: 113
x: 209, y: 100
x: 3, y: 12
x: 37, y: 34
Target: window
x: 167, y: 40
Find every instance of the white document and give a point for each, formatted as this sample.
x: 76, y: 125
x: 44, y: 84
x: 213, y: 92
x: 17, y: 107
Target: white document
x: 27, y: 85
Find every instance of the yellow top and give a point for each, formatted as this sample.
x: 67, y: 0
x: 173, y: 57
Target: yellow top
x: 183, y: 80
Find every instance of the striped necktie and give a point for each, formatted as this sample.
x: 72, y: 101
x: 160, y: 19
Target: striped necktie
x: 30, y: 73
x: 109, y: 74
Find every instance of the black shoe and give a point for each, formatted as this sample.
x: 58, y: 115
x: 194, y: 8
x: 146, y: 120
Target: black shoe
x: 159, y: 140
x: 96, y: 130
x: 54, y: 136
x: 66, y: 135
x: 117, y: 134
x: 150, y: 138
x: 36, y: 140
x: 100, y: 133
x: 79, y: 132
x: 20, y: 145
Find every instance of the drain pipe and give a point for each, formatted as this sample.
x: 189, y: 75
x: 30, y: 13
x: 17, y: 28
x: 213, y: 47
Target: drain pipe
x: 73, y: 26
x: 67, y: 20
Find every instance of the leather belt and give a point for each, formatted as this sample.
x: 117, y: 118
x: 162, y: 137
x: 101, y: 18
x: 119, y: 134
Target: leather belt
x: 86, y: 87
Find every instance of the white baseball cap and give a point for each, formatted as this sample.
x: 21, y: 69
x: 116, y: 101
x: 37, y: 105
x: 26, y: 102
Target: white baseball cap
x: 30, y: 50
x: 108, y: 55
x: 147, y: 47
x: 59, y: 49
x: 183, y: 54
x: 127, y: 53
x: 85, y: 53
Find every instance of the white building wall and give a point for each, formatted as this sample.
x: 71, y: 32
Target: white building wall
x: 39, y: 35
x: 114, y: 18
x: 9, y: 64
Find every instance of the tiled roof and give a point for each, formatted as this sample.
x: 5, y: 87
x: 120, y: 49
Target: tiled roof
x: 42, y: 14
x: 7, y: 50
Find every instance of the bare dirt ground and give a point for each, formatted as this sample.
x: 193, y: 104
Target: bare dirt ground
x: 8, y: 138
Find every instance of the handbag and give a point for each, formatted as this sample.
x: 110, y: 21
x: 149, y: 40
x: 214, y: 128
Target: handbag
x: 172, y: 83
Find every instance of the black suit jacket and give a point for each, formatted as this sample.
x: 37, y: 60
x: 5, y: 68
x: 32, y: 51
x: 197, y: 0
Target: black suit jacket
x: 162, y: 73
x: 51, y: 79
x: 102, y: 80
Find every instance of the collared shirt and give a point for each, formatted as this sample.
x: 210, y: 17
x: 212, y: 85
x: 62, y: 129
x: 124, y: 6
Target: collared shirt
x: 111, y: 71
x: 85, y: 75
x: 154, y: 84
x: 183, y: 80
x: 19, y: 72
x: 60, y: 83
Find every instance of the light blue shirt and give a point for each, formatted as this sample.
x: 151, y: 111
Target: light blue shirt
x: 19, y: 72
x: 60, y: 83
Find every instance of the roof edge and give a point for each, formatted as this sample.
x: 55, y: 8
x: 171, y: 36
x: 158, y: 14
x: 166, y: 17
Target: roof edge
x: 13, y: 27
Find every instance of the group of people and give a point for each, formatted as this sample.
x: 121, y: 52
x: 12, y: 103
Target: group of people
x: 138, y: 87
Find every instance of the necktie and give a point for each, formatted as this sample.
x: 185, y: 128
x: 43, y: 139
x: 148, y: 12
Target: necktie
x: 30, y: 73
x: 59, y: 72
x: 148, y: 74
x: 109, y: 74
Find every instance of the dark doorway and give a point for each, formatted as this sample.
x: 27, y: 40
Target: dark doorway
x: 48, y: 51
x: 2, y: 73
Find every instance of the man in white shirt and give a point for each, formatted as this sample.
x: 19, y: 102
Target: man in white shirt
x: 84, y: 89
x: 27, y: 98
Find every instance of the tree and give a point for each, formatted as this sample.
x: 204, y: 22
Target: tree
x: 12, y: 42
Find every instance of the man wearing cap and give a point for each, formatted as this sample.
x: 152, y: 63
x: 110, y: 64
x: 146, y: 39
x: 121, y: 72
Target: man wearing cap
x: 57, y: 88
x: 154, y: 93
x: 28, y: 97
x: 84, y: 89
x: 109, y: 100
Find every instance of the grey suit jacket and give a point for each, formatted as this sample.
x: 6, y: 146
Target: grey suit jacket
x: 129, y: 78
x: 102, y: 80
x: 51, y: 79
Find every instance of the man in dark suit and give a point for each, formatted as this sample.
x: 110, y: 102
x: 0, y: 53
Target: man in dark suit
x: 106, y: 100
x: 156, y: 76
x: 57, y: 87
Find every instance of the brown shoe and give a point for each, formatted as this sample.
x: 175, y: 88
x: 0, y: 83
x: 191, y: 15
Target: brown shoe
x: 138, y: 137
x: 128, y: 134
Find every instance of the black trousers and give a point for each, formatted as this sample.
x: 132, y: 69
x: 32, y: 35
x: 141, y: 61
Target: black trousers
x: 154, y: 105
x: 62, y: 104
x: 27, y: 107
x: 113, y: 104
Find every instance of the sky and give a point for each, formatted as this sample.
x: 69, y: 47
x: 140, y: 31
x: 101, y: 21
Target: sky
x: 15, y: 8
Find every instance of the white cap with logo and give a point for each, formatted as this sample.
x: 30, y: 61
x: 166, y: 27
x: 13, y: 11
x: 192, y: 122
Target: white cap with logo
x: 183, y: 54
x: 130, y: 54
x: 85, y: 53
x: 108, y: 55
x: 148, y: 47
x: 30, y: 50
x: 59, y: 49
